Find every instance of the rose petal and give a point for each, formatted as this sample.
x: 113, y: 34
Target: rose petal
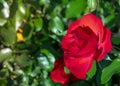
x: 89, y: 44
x: 58, y: 74
x: 89, y: 20
x: 92, y: 22
x: 79, y: 66
x: 73, y: 26
x: 80, y: 42
x: 105, y: 46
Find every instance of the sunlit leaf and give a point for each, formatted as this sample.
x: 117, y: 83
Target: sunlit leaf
x: 56, y: 26
x: 75, y: 8
x: 4, y: 9
x: 50, y: 56
x: 19, y: 13
x: 5, y: 53
x: 43, y: 62
x: 35, y: 71
x: 25, y: 81
x: 110, y: 70
x: 4, y: 12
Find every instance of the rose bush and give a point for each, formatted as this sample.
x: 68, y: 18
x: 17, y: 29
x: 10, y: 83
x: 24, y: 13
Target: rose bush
x: 86, y: 40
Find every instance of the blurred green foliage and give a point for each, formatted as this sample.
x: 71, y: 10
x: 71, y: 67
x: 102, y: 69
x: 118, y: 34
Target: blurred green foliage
x: 43, y: 23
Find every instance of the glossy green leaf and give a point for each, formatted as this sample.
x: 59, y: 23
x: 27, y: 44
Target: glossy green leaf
x: 5, y: 53
x: 43, y: 62
x: 110, y: 70
x: 4, y: 12
x: 35, y: 71
x: 75, y: 8
x: 19, y: 72
x: 49, y: 55
x: 47, y: 82
x: 92, y: 71
x: 19, y: 13
x: 25, y: 81
x: 4, y: 9
x: 56, y: 26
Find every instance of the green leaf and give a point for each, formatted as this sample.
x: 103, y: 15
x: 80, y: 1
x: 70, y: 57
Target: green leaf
x: 38, y: 24
x: 4, y: 73
x: 19, y: 72
x: 75, y: 8
x: 5, y: 53
x: 3, y: 82
x: 47, y: 82
x: 109, y: 19
x: 2, y: 21
x: 25, y: 81
x: 13, y: 8
x: 8, y: 34
x: 28, y: 30
x: 35, y: 71
x: 4, y: 12
x: 18, y: 14
x: 49, y: 55
x: 23, y: 60
x: 43, y: 62
x: 110, y: 70
x: 44, y: 2
x: 115, y: 40
x: 64, y: 1
x: 119, y: 2
x: 67, y: 71
x: 56, y: 26
x: 92, y: 71
x: 55, y: 37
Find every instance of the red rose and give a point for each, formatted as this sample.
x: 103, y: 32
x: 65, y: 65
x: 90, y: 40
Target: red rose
x: 86, y: 40
x: 58, y: 74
